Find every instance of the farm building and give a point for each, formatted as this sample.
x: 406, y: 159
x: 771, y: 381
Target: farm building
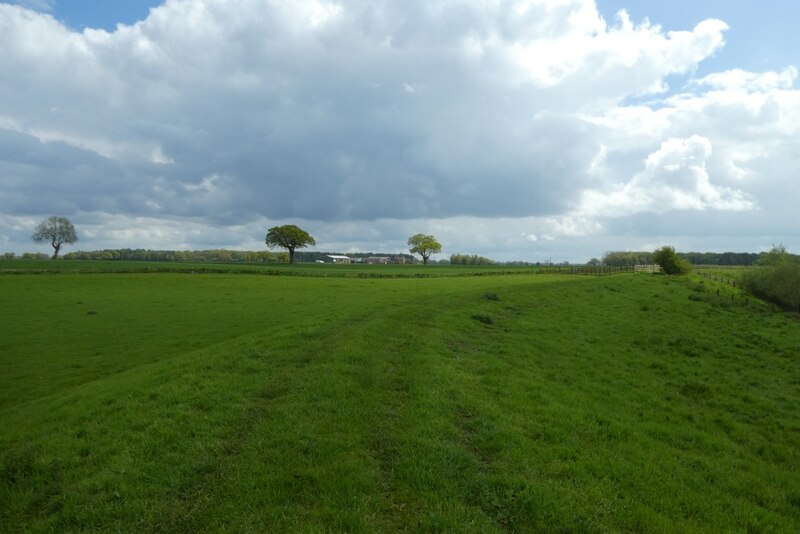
x: 340, y: 259
x: 374, y: 260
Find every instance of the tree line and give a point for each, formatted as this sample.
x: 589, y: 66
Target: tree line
x: 216, y: 255
x: 621, y: 259
x: 25, y: 256
x: 466, y: 259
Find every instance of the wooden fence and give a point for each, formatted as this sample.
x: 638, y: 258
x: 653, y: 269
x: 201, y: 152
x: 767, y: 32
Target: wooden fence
x: 597, y: 270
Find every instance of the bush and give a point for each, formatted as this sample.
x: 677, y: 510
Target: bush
x: 670, y: 262
x: 777, y: 279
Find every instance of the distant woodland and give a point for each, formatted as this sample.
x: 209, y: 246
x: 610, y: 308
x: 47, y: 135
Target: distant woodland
x: 612, y: 259
x: 618, y: 259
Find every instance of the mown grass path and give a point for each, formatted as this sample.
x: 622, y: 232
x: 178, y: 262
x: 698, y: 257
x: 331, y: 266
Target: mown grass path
x: 185, y: 403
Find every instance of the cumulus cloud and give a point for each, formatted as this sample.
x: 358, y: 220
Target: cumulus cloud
x: 231, y: 113
x: 750, y: 119
x: 675, y: 177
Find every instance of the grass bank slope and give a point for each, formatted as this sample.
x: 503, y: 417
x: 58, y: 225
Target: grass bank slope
x: 168, y: 402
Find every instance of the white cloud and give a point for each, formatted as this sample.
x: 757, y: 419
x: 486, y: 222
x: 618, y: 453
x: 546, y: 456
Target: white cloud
x: 738, y: 79
x: 158, y: 156
x: 590, y: 51
x: 675, y: 177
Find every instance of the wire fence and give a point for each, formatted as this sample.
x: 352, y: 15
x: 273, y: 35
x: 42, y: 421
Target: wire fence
x: 722, y: 279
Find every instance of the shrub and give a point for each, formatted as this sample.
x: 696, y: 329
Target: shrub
x: 777, y: 280
x: 670, y: 262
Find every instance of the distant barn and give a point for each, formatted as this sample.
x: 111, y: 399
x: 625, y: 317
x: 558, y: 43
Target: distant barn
x: 340, y: 259
x: 375, y: 260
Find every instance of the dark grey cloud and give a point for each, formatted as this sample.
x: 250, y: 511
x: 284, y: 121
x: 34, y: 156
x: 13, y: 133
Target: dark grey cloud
x: 235, y: 114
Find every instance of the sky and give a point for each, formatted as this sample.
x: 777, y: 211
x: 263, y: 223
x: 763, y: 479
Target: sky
x: 532, y: 130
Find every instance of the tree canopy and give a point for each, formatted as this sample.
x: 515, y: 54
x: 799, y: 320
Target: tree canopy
x: 56, y: 231
x: 424, y: 245
x: 776, y: 256
x: 289, y: 237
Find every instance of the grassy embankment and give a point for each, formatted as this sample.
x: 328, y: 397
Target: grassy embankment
x: 236, y: 402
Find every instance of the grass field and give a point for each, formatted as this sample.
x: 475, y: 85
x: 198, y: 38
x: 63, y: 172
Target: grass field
x: 234, y: 402
x: 299, y: 269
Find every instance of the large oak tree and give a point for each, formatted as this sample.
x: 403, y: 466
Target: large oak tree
x: 424, y: 245
x: 289, y: 237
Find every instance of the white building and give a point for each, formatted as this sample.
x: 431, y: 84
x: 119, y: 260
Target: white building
x: 340, y: 259
x: 377, y: 260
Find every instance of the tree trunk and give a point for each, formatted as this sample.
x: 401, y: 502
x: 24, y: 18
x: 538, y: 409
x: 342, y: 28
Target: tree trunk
x: 55, y: 254
x: 291, y: 255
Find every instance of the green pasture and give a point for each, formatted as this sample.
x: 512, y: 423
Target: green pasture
x: 180, y: 402
x: 298, y: 269
x: 729, y: 273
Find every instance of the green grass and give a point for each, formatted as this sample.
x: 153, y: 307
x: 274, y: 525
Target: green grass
x: 724, y: 274
x: 298, y: 269
x: 234, y: 402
